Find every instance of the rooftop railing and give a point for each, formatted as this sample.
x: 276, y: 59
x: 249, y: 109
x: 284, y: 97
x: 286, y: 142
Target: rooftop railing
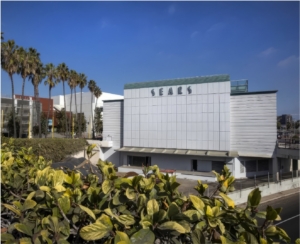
x: 239, y: 86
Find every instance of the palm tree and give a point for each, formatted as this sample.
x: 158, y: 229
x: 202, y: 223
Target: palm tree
x: 51, y: 74
x: 72, y: 83
x: 63, y: 72
x: 9, y: 63
x: 97, y: 93
x: 82, y: 83
x: 36, y: 78
x: 92, y: 85
x: 76, y: 84
x: 25, y: 59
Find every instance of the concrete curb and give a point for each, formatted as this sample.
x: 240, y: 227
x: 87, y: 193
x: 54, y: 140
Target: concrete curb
x: 280, y: 195
x: 275, y: 196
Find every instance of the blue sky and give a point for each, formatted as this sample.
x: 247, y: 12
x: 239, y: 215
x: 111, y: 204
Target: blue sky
x: 115, y: 43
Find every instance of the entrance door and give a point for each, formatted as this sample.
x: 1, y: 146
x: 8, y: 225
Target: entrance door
x: 139, y: 161
x: 295, y: 164
x: 194, y: 165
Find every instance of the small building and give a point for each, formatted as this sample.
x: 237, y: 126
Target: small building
x: 29, y: 117
x: 88, y: 103
x: 192, y: 124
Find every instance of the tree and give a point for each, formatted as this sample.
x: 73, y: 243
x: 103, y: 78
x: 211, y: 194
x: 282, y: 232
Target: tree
x: 288, y: 125
x: 98, y: 127
x: 9, y: 63
x: 82, y: 80
x: 61, y: 120
x: 38, y: 74
x: 297, y: 124
x: 278, y: 125
x: 98, y: 120
x: 51, y: 81
x: 92, y: 85
x: 76, y: 84
x: 44, y: 122
x: 80, y: 121
x: 11, y: 124
x: 72, y: 82
x: 24, y: 59
x: 63, y: 72
x: 97, y: 94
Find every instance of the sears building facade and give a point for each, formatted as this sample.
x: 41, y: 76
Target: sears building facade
x: 192, y: 124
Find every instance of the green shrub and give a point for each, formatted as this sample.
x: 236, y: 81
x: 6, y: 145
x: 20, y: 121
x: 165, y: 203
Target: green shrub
x: 43, y: 205
x: 55, y: 149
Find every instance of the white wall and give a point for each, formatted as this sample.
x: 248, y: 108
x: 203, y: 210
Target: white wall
x: 86, y: 102
x: 253, y: 124
x: 177, y: 162
x: 200, y: 120
x: 112, y: 130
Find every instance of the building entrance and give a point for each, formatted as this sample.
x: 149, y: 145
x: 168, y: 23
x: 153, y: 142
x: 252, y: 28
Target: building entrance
x: 138, y: 161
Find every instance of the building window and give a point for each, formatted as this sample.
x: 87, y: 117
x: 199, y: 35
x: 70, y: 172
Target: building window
x: 217, y: 166
x: 263, y: 165
x: 251, y: 166
x: 138, y: 161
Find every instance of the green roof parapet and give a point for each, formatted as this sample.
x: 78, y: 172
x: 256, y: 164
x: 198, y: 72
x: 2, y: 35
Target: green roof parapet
x: 176, y: 82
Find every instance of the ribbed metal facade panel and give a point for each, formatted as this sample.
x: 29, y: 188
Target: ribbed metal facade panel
x: 113, y: 122
x: 253, y: 123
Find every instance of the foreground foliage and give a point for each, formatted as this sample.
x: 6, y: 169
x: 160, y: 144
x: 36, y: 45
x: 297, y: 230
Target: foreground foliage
x: 55, y: 149
x: 43, y: 205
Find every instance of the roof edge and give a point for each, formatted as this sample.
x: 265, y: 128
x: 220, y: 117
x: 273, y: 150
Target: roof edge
x: 179, y: 81
x: 251, y: 93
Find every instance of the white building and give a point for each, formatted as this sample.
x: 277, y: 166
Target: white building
x: 192, y: 124
x: 87, y: 108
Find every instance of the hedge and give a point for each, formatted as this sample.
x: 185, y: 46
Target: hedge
x: 55, y: 149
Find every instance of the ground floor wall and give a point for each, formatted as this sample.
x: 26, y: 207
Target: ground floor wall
x: 179, y: 162
x: 250, y: 167
x: 241, y: 167
x: 288, y: 165
x: 110, y: 155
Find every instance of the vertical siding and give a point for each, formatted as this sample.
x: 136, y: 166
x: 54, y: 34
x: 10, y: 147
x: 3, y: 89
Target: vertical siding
x: 253, y: 123
x: 113, y: 122
x: 196, y: 120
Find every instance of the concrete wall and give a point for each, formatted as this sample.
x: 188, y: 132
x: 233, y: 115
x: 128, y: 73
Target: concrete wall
x: 112, y: 130
x: 178, y: 162
x: 243, y: 173
x: 253, y: 124
x: 86, y: 102
x: 199, y: 120
x: 242, y: 196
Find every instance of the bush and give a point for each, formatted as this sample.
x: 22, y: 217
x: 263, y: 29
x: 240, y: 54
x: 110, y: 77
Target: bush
x: 55, y: 149
x: 43, y: 205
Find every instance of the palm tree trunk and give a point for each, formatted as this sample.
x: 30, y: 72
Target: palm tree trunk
x: 65, y: 107
x: 95, y: 113
x: 46, y: 126
x: 75, y: 103
x: 13, y: 104
x: 92, y: 115
x: 37, y: 102
x: 80, y: 119
x: 71, y: 110
x: 21, y: 124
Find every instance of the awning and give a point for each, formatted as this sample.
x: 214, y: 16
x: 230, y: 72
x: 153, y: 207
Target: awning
x: 206, y: 153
